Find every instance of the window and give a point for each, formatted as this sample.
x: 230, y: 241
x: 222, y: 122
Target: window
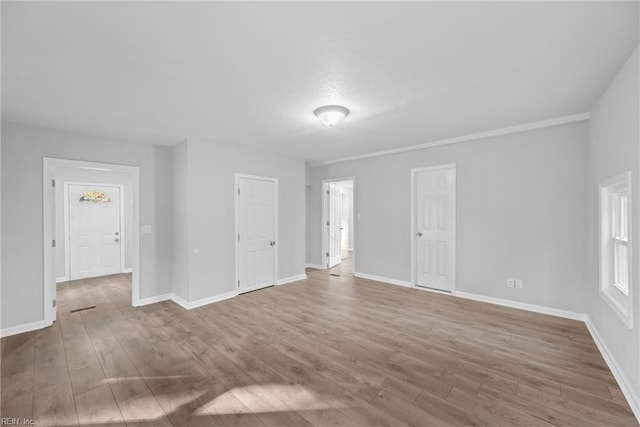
x: 615, y: 245
x: 95, y: 197
x: 619, y: 202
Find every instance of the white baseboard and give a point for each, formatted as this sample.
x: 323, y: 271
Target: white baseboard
x: 127, y: 270
x: 435, y: 291
x: 523, y: 306
x: 62, y: 279
x: 180, y: 301
x: 316, y: 266
x: 625, y: 385
x: 153, y: 300
x: 291, y: 279
x: 20, y: 329
x: 204, y: 301
x: 382, y: 279
x: 507, y: 303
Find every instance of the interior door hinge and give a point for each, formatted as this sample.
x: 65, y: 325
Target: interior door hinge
x: 327, y: 253
x: 55, y: 302
x: 238, y: 191
x: 53, y: 182
x: 238, y: 283
x: 328, y: 223
x: 328, y: 192
x: 238, y: 237
x: 53, y: 243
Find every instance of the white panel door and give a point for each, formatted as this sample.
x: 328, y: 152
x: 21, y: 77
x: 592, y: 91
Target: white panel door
x: 335, y: 225
x: 94, y: 232
x: 435, y: 228
x: 256, y: 233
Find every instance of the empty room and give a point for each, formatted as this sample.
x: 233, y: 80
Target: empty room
x: 320, y: 213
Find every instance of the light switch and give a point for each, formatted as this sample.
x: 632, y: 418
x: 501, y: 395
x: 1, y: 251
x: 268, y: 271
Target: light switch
x: 519, y: 284
x: 196, y: 251
x: 146, y: 229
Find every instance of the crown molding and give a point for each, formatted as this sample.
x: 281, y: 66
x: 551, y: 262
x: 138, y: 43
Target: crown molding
x: 465, y: 138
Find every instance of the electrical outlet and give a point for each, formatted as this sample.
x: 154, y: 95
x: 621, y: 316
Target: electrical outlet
x: 519, y: 284
x: 510, y: 283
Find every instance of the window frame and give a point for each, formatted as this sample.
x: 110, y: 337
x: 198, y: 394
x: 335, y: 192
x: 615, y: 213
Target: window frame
x: 612, y: 223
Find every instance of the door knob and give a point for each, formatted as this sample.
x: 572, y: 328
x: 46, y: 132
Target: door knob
x: 117, y: 240
x: 117, y: 233
x: 419, y: 234
x: 272, y: 243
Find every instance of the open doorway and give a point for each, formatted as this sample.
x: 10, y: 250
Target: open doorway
x: 91, y: 235
x: 338, y: 234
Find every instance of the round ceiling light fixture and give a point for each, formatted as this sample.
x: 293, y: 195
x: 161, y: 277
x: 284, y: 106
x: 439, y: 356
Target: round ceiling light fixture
x: 331, y: 115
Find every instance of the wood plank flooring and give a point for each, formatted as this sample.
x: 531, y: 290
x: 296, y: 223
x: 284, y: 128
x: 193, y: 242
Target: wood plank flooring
x: 328, y: 350
x: 346, y: 264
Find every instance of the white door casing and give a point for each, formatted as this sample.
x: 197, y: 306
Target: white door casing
x: 95, y: 233
x: 334, y: 225
x: 434, y: 227
x: 325, y: 214
x: 257, y: 231
x: 49, y: 166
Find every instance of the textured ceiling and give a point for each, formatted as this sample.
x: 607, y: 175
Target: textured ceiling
x: 252, y: 73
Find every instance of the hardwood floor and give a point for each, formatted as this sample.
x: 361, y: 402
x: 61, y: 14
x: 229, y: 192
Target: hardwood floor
x: 346, y: 264
x: 323, y: 351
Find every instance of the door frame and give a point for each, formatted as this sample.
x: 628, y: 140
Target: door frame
x: 67, y: 225
x: 237, y: 228
x: 414, y: 264
x: 49, y: 165
x: 325, y: 217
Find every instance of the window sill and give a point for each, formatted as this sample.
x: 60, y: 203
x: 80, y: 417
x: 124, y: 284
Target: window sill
x: 623, y: 313
x: 622, y: 290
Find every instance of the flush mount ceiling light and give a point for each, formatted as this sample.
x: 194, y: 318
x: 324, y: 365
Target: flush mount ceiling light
x: 331, y: 115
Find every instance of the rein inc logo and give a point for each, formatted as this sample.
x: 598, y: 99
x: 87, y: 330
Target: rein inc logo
x: 17, y: 422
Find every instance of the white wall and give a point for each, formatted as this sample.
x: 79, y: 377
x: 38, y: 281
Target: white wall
x: 68, y: 174
x: 612, y: 149
x: 520, y: 212
x: 210, y: 191
x: 1, y: 315
x: 162, y: 223
x: 23, y: 148
x: 180, y: 244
